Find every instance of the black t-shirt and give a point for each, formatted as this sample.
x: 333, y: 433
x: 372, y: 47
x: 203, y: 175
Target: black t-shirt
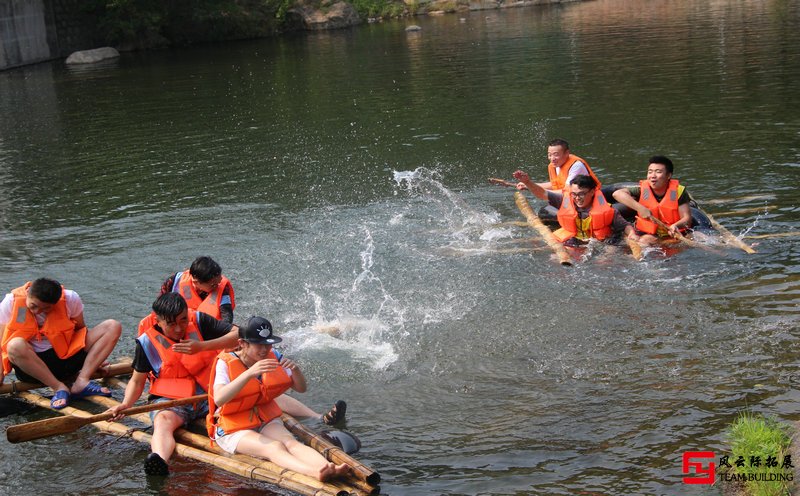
x: 210, y: 328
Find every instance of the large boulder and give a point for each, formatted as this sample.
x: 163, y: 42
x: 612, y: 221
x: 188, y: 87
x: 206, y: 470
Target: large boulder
x: 336, y: 16
x: 92, y: 56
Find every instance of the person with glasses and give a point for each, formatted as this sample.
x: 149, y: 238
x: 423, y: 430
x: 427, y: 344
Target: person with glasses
x: 582, y: 214
x: 563, y: 166
x: 661, y: 197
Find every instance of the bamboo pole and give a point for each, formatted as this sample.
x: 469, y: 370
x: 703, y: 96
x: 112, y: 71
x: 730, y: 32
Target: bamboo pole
x: 740, y: 198
x: 121, y: 368
x: 355, y: 484
x: 330, y: 450
x: 535, y: 222
x: 790, y: 234
x: 727, y: 235
x: 299, y: 483
x: 765, y: 208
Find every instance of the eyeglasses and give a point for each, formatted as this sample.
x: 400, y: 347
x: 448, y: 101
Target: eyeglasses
x: 582, y: 194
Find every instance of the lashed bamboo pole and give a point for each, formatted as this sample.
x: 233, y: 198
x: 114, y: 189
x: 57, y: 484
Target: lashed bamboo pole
x: 122, y: 368
x: 728, y: 236
x: 765, y: 208
x: 330, y: 450
x: 281, y: 477
x: 356, y: 484
x: 790, y: 234
x: 535, y: 222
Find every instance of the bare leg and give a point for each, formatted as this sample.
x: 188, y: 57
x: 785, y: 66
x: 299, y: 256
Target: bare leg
x: 100, y: 341
x: 270, y: 443
x: 21, y: 354
x: 165, y: 423
x: 295, y: 407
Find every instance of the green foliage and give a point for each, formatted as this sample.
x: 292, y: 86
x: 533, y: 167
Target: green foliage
x: 755, y: 435
x: 378, y: 8
x: 151, y: 22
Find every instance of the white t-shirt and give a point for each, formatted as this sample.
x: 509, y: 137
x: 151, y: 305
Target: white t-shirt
x: 578, y: 168
x: 74, y: 310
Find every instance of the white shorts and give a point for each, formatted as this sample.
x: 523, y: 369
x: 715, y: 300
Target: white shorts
x: 229, y: 442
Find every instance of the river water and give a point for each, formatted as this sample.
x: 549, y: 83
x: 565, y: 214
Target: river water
x: 340, y: 179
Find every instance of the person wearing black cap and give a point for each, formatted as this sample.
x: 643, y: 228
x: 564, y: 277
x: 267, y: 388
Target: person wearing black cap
x: 243, y: 416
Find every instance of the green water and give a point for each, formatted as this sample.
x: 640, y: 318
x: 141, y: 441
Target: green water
x: 340, y: 178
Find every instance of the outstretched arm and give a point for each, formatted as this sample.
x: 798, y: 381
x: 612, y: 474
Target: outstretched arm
x: 133, y: 391
x: 526, y: 183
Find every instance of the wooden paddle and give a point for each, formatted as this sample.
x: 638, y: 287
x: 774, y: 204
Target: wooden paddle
x: 680, y: 237
x: 63, y: 425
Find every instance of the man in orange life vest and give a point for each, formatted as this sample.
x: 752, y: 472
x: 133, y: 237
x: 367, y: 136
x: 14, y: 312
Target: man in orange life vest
x: 658, y: 196
x: 175, y: 355
x: 582, y: 213
x: 205, y: 289
x: 45, y: 339
x: 563, y: 166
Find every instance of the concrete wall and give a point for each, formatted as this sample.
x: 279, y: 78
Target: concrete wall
x: 23, y: 33
x: 37, y: 30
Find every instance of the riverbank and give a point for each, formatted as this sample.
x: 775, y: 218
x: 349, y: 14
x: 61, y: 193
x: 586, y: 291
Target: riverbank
x: 40, y: 30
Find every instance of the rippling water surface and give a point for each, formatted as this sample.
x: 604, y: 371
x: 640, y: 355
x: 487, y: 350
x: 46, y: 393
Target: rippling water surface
x: 340, y: 179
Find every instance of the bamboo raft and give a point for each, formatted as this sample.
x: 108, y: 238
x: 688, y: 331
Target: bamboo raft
x: 363, y: 480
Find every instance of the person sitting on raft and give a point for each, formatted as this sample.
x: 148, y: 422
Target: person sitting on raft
x: 45, y: 339
x: 564, y: 166
x: 175, y: 355
x: 582, y: 214
x: 243, y: 416
x: 661, y: 197
x: 207, y: 290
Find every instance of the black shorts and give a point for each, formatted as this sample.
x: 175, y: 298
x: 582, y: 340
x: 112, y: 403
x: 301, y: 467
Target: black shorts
x: 64, y: 369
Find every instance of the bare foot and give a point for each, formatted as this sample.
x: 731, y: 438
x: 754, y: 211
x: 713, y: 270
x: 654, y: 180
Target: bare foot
x: 79, y: 386
x: 327, y: 472
x: 343, y: 470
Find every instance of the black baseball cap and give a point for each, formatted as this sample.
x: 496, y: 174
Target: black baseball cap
x: 258, y: 330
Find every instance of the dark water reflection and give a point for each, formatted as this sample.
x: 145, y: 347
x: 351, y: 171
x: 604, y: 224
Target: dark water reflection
x: 340, y: 179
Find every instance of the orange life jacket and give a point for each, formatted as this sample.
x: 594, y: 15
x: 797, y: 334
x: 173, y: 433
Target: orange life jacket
x: 183, y: 286
x: 176, y: 375
x: 666, y: 210
x: 255, y: 402
x: 559, y: 181
x: 58, y: 328
x: 601, y: 217
x: 210, y: 305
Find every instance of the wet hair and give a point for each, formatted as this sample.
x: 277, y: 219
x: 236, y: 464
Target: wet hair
x: 45, y: 290
x: 205, y: 269
x: 169, y: 305
x: 584, y: 181
x: 559, y: 142
x: 660, y: 159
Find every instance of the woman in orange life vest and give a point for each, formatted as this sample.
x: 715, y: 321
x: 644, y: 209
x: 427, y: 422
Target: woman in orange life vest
x: 582, y: 214
x: 175, y: 356
x: 563, y: 167
x: 44, y: 337
x: 659, y: 196
x: 243, y: 416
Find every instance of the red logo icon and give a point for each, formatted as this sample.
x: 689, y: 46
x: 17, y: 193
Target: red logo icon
x: 703, y: 475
